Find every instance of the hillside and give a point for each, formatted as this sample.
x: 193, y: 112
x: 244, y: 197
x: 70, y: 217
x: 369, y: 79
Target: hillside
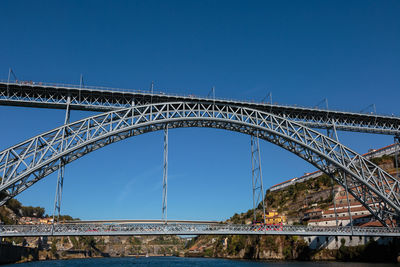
x: 292, y: 202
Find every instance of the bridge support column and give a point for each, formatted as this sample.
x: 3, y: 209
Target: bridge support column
x: 165, y: 175
x: 61, y: 170
x: 332, y: 133
x: 257, y: 182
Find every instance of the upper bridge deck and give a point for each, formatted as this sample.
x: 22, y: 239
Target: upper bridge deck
x: 104, y: 99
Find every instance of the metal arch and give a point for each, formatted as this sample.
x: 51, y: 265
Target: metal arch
x: 26, y: 163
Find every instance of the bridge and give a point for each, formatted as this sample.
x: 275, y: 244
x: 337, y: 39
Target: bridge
x: 102, y: 99
x: 190, y: 229
x: 130, y: 113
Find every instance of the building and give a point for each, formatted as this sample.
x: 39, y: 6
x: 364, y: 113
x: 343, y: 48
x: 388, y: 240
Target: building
x: 47, y: 220
x: 313, y: 213
x: 273, y: 217
x: 344, y: 213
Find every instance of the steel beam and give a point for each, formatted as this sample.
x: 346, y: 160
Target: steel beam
x: 106, y: 99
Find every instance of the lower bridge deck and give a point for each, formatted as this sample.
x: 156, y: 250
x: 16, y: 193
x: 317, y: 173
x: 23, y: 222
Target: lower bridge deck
x: 110, y: 229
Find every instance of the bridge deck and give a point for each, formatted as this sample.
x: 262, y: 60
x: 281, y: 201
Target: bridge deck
x: 189, y: 229
x: 107, y: 99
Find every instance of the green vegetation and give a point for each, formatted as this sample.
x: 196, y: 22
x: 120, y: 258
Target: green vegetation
x: 270, y: 243
x: 236, y: 243
x: 383, y: 159
x: 53, y: 248
x: 134, y: 241
x: 30, y: 211
x: 75, y: 243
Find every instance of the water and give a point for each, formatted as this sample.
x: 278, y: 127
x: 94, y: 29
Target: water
x: 196, y: 262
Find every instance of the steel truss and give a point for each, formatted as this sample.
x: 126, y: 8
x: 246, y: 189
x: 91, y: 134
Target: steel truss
x: 190, y: 229
x: 24, y: 164
x: 165, y: 175
x: 256, y: 174
x: 106, y: 99
x: 61, y: 172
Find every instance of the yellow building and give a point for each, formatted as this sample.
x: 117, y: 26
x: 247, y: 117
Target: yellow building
x: 273, y: 217
x: 46, y: 220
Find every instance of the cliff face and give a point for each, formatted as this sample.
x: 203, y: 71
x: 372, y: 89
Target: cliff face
x: 107, y: 246
x: 251, y: 247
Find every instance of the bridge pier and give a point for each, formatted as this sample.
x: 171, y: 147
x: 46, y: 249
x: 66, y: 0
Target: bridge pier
x: 256, y: 173
x: 165, y: 175
x: 61, y: 170
x: 332, y: 133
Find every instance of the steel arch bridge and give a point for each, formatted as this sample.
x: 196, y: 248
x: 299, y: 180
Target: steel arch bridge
x: 26, y: 163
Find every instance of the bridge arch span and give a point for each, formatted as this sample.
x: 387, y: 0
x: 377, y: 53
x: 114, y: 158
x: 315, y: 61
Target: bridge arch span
x: 26, y: 163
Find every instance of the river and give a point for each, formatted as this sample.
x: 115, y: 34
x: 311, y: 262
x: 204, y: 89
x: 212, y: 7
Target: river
x: 197, y: 262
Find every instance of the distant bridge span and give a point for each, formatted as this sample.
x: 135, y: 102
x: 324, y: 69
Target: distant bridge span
x: 26, y: 163
x: 140, y: 222
x: 104, y: 99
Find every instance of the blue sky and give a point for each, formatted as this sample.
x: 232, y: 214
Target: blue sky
x: 301, y: 51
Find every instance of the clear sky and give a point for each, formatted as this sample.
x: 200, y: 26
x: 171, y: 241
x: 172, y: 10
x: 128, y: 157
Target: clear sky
x: 301, y: 51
